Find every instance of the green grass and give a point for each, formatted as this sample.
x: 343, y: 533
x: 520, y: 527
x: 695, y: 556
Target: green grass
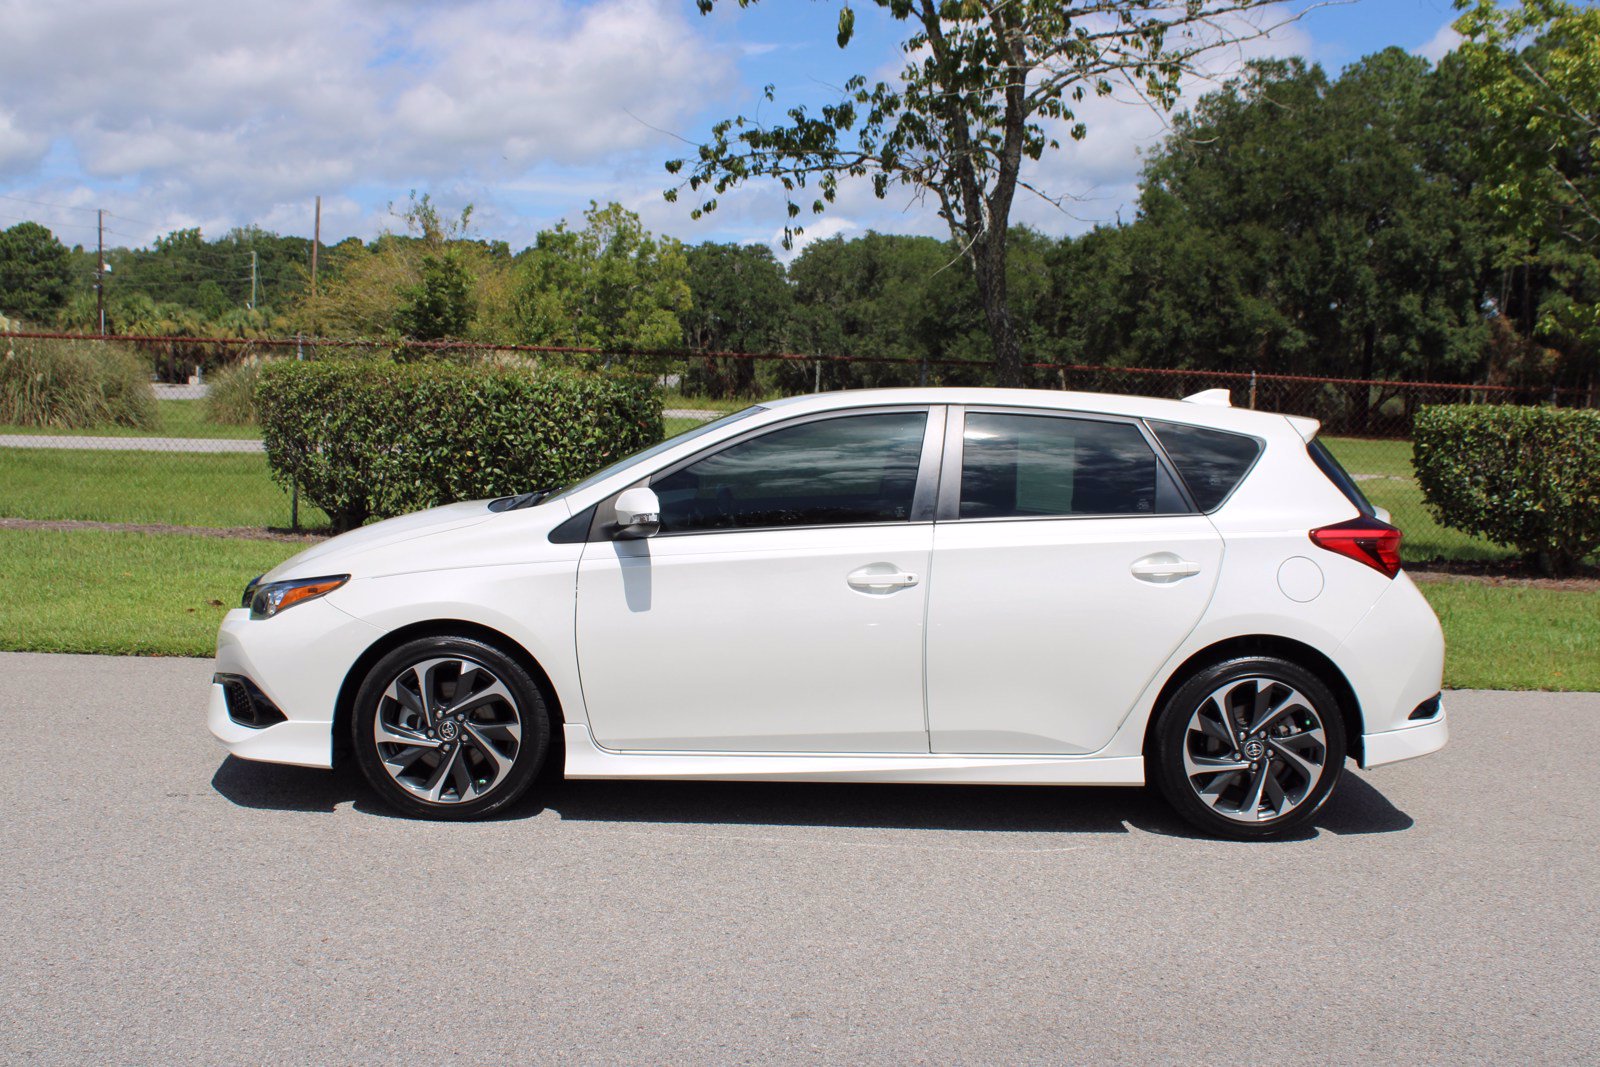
x: 174, y: 418
x: 123, y: 593
x: 154, y: 594
x: 181, y: 488
x: 1383, y: 471
x: 1517, y: 636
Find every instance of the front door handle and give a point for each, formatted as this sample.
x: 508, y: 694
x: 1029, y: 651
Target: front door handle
x: 880, y: 578
x: 1164, y: 567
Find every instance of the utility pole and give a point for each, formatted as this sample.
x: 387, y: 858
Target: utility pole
x: 252, y: 280
x: 316, y: 240
x: 100, y: 269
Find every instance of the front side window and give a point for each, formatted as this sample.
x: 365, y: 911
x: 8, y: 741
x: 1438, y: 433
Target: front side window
x: 1038, y: 466
x: 853, y: 469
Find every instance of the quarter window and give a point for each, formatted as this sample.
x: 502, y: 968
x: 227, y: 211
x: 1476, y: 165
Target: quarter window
x: 1212, y: 462
x: 1044, y: 465
x: 855, y: 469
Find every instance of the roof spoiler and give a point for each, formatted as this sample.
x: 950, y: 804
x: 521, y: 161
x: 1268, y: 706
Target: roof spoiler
x: 1221, y: 398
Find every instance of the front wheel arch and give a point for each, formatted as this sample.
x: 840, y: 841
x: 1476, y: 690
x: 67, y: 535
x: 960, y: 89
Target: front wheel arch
x: 555, y: 758
x: 1297, y: 652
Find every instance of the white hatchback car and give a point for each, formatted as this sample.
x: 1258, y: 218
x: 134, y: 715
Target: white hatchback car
x: 920, y: 585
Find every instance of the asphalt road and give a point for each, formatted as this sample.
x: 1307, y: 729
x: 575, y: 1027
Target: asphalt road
x: 164, y: 904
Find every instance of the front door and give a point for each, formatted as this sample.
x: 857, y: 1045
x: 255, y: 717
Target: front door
x: 1067, y: 567
x: 781, y: 606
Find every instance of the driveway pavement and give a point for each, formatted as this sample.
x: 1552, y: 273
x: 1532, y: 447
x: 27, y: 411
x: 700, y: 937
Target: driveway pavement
x: 80, y: 442
x: 164, y: 904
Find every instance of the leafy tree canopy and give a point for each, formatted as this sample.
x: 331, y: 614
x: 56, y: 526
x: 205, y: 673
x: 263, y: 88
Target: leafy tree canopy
x: 35, y: 272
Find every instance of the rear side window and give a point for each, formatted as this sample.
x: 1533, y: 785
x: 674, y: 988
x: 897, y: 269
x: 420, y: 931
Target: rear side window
x: 1336, y: 473
x: 1044, y: 465
x: 1212, y: 462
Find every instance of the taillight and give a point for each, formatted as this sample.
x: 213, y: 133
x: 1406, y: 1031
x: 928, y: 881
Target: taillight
x: 1377, y: 544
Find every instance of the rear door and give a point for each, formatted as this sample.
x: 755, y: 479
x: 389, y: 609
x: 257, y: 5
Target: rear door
x: 1068, y: 565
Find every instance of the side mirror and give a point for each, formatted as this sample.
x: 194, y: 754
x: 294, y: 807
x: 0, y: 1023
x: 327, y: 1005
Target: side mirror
x: 638, y: 512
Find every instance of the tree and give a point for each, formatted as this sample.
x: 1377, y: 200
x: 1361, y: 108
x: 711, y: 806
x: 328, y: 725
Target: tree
x: 35, y: 272
x: 1298, y: 227
x: 439, y: 305
x: 610, y: 285
x: 986, y: 86
x: 1535, y: 68
x: 1534, y: 71
x: 739, y: 301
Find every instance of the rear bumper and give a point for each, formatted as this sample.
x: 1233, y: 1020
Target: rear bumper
x: 1392, y: 746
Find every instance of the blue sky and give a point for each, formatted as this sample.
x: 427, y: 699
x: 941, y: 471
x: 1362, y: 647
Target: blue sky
x: 526, y: 109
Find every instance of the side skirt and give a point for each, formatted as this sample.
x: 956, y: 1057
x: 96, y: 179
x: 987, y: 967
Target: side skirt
x: 585, y: 759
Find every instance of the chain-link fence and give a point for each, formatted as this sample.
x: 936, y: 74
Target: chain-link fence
x: 188, y: 454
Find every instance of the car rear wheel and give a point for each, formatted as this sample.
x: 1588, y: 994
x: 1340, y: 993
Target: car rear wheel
x: 450, y: 728
x: 1249, y: 748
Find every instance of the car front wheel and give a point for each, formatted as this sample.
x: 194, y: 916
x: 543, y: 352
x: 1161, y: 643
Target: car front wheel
x: 449, y: 728
x: 1249, y: 748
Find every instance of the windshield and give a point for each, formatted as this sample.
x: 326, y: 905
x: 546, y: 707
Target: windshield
x: 649, y: 453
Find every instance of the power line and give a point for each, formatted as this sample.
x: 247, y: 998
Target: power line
x: 46, y: 203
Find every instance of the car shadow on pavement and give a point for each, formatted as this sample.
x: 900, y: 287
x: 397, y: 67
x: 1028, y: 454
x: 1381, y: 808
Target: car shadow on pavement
x: 276, y: 787
x: 1356, y: 807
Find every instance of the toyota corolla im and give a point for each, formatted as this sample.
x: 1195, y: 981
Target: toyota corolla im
x: 924, y: 585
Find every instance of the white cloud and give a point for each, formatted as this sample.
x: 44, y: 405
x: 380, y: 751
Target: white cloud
x: 240, y: 112
x: 817, y: 229
x: 1441, y: 44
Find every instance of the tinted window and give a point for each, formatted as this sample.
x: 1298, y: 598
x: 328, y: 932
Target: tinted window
x: 651, y: 452
x: 860, y: 468
x: 1038, y: 465
x: 1336, y: 473
x: 1211, y: 462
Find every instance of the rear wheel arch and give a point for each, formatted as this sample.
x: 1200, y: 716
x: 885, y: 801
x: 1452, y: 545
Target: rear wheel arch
x: 1297, y: 652
x: 345, y: 707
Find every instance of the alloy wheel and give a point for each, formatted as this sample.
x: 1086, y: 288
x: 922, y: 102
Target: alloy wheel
x: 1255, y: 749
x: 448, y: 729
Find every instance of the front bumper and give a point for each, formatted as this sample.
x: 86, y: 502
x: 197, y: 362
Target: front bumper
x: 1392, y: 746
x: 302, y: 744
x: 299, y: 661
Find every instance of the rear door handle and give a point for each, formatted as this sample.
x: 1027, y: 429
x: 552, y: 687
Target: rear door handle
x: 880, y: 578
x: 1164, y: 567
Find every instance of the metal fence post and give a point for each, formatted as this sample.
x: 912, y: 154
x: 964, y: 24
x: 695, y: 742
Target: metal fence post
x: 294, y: 481
x: 1252, y: 390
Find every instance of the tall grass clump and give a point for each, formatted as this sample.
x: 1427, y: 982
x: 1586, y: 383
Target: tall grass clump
x: 73, y: 385
x: 231, y: 398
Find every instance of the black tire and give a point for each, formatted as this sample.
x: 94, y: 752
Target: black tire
x: 1259, y: 772
x: 496, y: 744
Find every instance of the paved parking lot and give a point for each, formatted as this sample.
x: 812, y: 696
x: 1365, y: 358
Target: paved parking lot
x: 165, y: 904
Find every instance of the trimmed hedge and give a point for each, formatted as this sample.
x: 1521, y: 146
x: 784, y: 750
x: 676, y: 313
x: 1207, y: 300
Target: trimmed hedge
x: 367, y: 439
x: 1528, y: 477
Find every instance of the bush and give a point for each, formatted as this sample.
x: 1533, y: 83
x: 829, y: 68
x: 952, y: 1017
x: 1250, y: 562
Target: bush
x: 1528, y: 477
x: 231, y: 398
x: 73, y: 385
x: 371, y: 439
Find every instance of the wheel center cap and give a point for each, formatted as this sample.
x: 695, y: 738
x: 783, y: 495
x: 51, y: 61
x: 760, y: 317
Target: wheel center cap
x: 1252, y: 749
x: 449, y: 731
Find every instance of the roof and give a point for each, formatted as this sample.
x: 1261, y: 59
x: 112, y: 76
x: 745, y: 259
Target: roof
x: 1242, y: 420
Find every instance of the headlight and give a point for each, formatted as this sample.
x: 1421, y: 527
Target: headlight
x: 274, y: 597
